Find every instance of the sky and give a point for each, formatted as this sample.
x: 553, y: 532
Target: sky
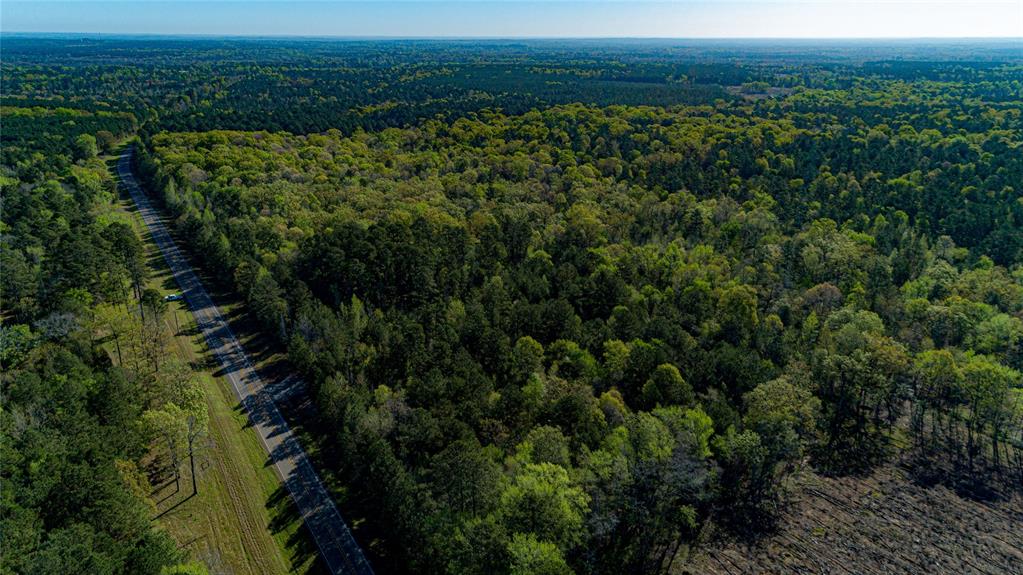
x: 524, y: 18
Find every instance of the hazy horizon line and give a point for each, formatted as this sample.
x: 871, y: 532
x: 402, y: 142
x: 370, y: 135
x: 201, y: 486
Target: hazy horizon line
x: 187, y: 35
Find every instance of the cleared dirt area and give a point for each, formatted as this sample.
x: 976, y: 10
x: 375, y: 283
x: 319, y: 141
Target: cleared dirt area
x: 879, y: 524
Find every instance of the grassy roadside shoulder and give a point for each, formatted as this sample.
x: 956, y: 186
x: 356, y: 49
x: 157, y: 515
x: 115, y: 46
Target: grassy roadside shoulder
x: 241, y: 520
x: 296, y: 405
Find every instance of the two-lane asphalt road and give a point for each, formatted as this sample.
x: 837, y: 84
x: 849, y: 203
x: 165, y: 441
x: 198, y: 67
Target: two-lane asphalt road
x: 340, y: 551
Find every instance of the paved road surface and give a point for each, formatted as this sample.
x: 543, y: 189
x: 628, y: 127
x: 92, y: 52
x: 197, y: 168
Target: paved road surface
x: 340, y: 551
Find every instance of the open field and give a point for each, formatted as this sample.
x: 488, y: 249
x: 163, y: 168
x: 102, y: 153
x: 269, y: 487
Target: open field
x: 881, y: 523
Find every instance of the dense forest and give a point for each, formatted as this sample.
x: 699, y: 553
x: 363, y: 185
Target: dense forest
x: 563, y: 308
x: 75, y: 422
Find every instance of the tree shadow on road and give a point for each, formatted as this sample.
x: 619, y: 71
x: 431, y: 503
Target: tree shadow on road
x: 284, y: 517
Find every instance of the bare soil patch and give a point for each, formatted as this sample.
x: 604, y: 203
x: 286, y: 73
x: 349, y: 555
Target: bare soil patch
x: 879, y: 524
